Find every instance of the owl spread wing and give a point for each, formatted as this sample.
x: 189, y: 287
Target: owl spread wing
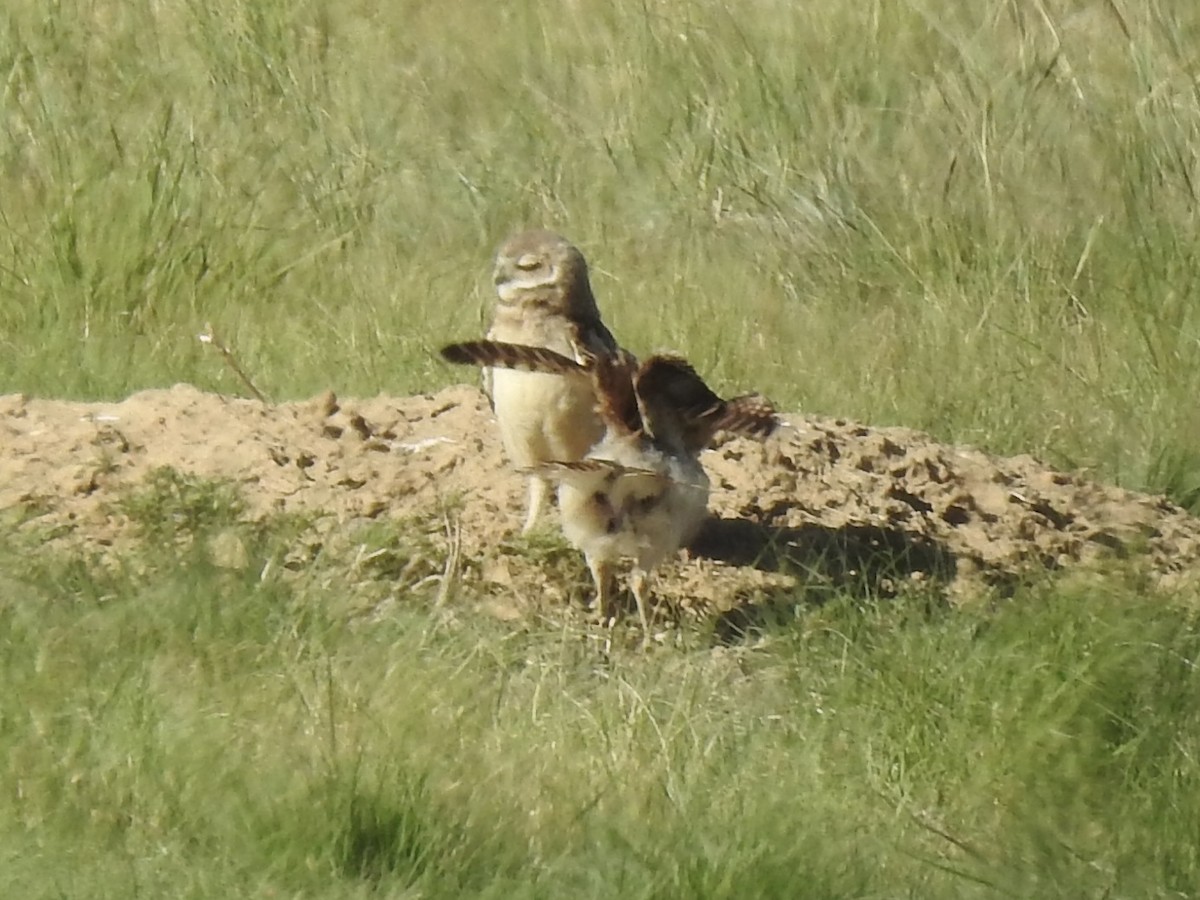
x: 499, y: 354
x: 678, y: 407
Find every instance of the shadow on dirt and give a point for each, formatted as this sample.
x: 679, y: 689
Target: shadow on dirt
x: 865, y: 561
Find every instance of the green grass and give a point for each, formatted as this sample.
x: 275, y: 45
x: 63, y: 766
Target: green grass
x: 173, y: 728
x: 975, y: 219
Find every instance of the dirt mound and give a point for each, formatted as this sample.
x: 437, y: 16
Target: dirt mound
x: 821, y: 504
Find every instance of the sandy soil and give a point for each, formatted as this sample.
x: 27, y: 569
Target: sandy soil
x: 823, y: 504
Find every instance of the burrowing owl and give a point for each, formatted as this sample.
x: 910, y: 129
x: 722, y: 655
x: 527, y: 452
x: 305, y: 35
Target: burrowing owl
x: 641, y: 492
x: 544, y: 299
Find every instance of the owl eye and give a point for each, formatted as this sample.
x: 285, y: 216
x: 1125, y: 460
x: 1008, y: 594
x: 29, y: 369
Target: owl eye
x: 529, y: 262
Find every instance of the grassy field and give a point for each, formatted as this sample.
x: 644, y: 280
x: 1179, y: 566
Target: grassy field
x: 975, y: 219
x: 175, y: 729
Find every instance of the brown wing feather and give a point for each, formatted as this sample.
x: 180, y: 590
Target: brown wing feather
x: 616, y: 400
x: 751, y: 414
x: 561, y: 469
x: 509, y: 356
x: 610, y: 470
x: 672, y: 380
x: 590, y: 337
x: 677, y: 406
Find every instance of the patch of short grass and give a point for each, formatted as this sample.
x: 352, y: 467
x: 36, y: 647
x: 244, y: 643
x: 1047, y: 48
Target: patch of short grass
x: 188, y: 730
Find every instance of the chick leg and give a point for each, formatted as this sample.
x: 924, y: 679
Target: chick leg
x: 639, y: 583
x: 602, y: 575
x: 539, y: 498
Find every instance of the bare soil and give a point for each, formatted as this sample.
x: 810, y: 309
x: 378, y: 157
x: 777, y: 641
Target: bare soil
x: 821, y: 505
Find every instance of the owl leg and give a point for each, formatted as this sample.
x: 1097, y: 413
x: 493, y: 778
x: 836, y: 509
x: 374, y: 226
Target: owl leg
x: 539, y: 497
